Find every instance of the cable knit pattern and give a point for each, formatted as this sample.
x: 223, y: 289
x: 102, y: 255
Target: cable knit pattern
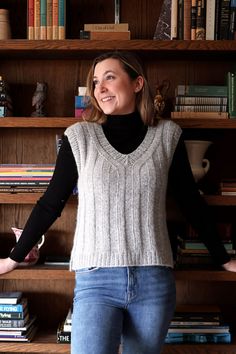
x: 121, y: 218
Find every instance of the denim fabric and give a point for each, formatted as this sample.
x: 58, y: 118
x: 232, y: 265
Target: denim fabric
x: 128, y: 305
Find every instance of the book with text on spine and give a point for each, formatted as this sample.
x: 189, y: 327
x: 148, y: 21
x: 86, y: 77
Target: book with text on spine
x: 10, y: 297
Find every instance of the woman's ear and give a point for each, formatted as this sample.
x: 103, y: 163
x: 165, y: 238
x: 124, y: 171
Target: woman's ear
x: 139, y: 84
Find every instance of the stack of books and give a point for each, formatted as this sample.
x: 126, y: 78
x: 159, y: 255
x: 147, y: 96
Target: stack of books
x: 81, y: 101
x: 105, y: 31
x: 198, y: 324
x: 25, y: 177
x: 227, y: 187
x: 64, y: 329
x: 46, y: 19
x: 201, y: 101
x: 16, y: 324
x: 192, y: 252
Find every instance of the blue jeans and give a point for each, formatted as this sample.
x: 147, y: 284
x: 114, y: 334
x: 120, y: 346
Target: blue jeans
x: 128, y: 305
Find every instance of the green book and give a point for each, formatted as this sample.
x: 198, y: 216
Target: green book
x: 231, y: 83
x: 201, y: 90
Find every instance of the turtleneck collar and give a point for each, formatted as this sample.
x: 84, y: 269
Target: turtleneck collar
x: 125, y: 132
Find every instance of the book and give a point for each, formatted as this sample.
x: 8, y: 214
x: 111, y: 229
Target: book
x: 109, y: 27
x: 224, y: 17
x: 10, y: 297
x: 36, y: 19
x: 30, y: 19
x: 201, y: 20
x: 49, y: 19
x: 210, y: 19
x: 193, y: 19
x: 201, y: 90
x: 55, y: 28
x: 43, y: 19
x: 174, y: 20
x: 232, y: 20
x: 200, y: 108
x: 231, y: 83
x: 199, y: 115
x: 9, y: 323
x: 13, y: 315
x: 62, y: 336
x: 198, y: 338
x: 14, y: 307
x: 200, y: 329
x: 61, y: 19
x: 104, y: 35
x: 163, y: 27
x: 187, y: 19
x: 201, y: 100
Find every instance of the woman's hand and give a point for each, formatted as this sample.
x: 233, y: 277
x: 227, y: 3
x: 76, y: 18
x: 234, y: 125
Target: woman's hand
x: 230, y: 266
x: 7, y: 265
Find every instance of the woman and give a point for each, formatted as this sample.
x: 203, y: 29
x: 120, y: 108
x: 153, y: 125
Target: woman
x: 122, y: 158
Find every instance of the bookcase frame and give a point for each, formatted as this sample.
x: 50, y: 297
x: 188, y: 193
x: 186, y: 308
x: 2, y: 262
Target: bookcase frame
x: 64, y: 64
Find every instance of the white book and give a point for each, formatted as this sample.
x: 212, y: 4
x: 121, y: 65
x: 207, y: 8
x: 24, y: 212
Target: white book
x: 210, y: 19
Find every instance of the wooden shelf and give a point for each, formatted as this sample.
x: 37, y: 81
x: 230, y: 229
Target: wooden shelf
x: 40, y: 272
x: 199, y: 348
x: 41, y: 343
x: 25, y: 198
x: 70, y: 48
x: 209, y: 123
x: 221, y: 200
x: 30, y: 122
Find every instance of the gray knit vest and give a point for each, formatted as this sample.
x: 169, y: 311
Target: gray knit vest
x: 121, y: 217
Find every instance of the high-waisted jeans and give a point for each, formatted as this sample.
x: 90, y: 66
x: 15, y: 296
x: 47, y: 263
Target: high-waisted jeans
x: 128, y: 305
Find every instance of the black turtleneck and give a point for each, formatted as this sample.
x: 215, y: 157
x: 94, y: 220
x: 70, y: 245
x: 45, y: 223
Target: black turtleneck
x: 125, y: 133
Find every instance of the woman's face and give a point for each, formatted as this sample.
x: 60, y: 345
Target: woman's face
x: 113, y: 89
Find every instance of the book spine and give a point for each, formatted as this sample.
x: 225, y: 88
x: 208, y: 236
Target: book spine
x: 36, y: 19
x: 30, y: 25
x: 224, y: 17
x: 174, y: 20
x: 200, y: 108
x: 104, y: 35
x: 231, y: 82
x: 49, y: 19
x: 12, y: 308
x: 11, y: 315
x: 187, y: 19
x: 193, y: 19
x: 12, y: 323
x: 180, y: 19
x: 210, y: 19
x: 55, y: 28
x: 43, y: 19
x: 61, y: 19
x: 163, y: 27
x: 232, y: 20
x: 201, y: 20
x: 114, y: 27
x: 200, y: 115
x: 202, y: 100
x: 201, y: 90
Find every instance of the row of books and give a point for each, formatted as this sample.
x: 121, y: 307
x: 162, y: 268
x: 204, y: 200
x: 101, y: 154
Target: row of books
x: 206, y: 101
x: 25, y: 177
x: 198, y: 324
x: 203, y: 19
x: 16, y: 322
x: 227, y: 187
x: 46, y: 19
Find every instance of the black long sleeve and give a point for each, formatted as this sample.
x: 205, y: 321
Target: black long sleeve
x: 51, y: 204
x: 193, y: 205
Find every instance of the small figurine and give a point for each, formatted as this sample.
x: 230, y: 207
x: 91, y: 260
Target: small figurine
x: 160, y: 97
x: 38, y: 100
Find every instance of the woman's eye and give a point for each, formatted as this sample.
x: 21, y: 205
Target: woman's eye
x: 110, y: 77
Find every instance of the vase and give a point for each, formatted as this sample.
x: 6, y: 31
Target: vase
x: 5, y: 31
x: 196, y: 150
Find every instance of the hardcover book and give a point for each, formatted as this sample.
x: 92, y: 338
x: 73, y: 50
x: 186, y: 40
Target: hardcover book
x: 10, y: 297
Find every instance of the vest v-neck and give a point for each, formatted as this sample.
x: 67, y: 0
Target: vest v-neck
x: 108, y: 151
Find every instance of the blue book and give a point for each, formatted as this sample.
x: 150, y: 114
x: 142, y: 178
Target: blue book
x: 177, y: 338
x: 14, y: 308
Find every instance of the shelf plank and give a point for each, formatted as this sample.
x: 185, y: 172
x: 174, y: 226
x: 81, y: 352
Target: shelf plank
x: 32, y: 122
x: 221, y: 200
x: 40, y: 272
x: 41, y: 343
x: 88, y: 48
x: 199, y: 348
x: 209, y: 123
x: 26, y: 198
